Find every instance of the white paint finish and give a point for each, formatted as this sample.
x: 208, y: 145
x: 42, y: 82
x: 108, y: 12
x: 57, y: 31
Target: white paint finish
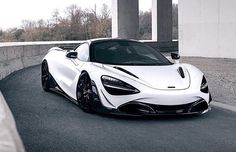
x: 207, y: 28
x: 160, y: 77
x: 153, y: 83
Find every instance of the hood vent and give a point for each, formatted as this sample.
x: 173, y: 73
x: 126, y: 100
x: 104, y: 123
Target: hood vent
x: 181, y: 72
x: 127, y: 72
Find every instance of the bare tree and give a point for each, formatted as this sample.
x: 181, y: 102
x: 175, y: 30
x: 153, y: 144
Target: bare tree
x: 78, y: 24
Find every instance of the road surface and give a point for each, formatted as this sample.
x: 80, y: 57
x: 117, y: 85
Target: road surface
x: 50, y: 122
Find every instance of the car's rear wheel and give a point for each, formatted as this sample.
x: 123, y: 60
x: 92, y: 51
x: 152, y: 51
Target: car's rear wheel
x: 45, y: 76
x: 84, y: 92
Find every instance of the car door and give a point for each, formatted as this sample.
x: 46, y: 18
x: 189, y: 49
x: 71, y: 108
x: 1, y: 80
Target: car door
x: 71, y: 69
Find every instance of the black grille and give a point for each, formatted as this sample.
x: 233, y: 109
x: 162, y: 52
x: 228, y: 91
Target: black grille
x: 144, y: 108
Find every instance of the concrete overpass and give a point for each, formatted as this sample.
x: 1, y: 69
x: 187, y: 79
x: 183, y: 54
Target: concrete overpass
x: 125, y: 19
x: 206, y: 27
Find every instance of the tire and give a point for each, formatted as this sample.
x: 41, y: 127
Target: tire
x: 84, y: 92
x: 45, y: 76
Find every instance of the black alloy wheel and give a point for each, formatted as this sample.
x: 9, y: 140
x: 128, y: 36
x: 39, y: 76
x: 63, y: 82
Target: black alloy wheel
x: 45, y: 76
x: 84, y: 92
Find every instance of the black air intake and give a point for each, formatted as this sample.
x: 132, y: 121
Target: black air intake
x: 181, y: 72
x: 136, y: 108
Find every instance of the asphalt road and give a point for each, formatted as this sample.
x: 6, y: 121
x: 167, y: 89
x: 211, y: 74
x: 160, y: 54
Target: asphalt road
x: 48, y: 122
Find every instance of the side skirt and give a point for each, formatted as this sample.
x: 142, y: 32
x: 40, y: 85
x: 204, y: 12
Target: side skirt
x: 57, y: 89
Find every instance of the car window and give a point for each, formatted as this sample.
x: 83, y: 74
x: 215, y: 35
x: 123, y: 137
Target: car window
x: 83, y: 52
x: 141, y: 51
x: 126, y: 53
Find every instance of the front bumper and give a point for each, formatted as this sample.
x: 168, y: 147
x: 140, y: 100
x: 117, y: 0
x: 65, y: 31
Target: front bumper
x: 135, y: 108
x: 138, y: 108
x: 141, y: 107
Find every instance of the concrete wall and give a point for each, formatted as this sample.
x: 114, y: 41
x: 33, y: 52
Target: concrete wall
x: 16, y: 56
x: 207, y: 28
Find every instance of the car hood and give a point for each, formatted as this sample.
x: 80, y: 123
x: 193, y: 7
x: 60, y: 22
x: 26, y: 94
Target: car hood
x: 160, y: 77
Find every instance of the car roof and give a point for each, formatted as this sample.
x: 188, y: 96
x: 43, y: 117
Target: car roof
x: 109, y: 39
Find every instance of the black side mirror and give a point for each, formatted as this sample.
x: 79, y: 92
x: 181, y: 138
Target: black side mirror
x: 175, y: 56
x: 72, y: 55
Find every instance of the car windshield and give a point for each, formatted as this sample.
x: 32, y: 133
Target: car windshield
x: 126, y: 53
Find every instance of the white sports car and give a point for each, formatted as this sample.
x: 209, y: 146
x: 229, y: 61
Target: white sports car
x: 125, y: 77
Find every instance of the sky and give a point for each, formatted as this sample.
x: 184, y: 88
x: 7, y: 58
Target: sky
x: 12, y: 12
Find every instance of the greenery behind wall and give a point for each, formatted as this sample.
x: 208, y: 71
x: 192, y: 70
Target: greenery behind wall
x: 78, y: 24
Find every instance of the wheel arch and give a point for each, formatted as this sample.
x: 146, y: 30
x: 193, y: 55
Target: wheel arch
x: 83, y: 71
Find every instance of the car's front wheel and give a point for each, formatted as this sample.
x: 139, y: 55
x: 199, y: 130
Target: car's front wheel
x: 84, y: 92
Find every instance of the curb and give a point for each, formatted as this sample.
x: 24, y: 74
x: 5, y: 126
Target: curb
x: 10, y: 140
x: 224, y: 106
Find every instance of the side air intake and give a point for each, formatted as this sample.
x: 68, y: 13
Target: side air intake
x: 181, y: 72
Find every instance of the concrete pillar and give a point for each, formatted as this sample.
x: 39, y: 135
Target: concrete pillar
x: 125, y: 19
x: 162, y: 20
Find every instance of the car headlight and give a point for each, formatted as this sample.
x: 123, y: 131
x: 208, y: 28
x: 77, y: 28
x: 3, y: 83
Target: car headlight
x: 117, y: 87
x: 204, y: 85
